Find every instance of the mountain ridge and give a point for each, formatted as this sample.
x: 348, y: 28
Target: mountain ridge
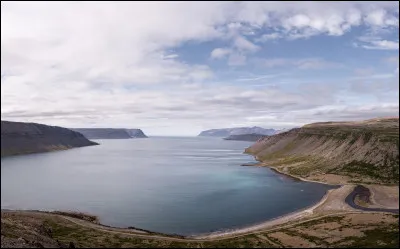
x: 26, y: 138
x: 360, y: 151
x: 110, y: 133
x: 226, y: 132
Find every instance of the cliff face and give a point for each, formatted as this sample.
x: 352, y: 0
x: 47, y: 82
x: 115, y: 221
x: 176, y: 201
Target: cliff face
x: 24, y: 138
x: 246, y: 137
x: 225, y: 132
x: 136, y: 133
x: 367, y: 150
x: 109, y: 133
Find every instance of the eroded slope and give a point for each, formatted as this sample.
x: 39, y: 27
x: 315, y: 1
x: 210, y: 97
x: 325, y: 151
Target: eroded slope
x: 366, y: 151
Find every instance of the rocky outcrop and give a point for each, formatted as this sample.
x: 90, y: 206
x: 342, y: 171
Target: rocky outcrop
x: 29, y: 232
x: 246, y: 137
x: 226, y: 132
x: 25, y: 138
x: 366, y: 150
x: 110, y: 133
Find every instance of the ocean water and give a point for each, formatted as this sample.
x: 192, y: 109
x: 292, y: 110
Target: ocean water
x: 176, y: 185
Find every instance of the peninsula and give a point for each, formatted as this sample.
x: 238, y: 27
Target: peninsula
x: 110, y: 133
x: 26, y: 138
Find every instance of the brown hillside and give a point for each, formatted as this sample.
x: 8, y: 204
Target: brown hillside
x: 367, y: 151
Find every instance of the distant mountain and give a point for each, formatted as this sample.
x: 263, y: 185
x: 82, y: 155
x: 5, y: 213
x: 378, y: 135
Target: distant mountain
x: 136, y: 133
x: 226, y: 132
x: 110, y: 133
x: 246, y: 137
x: 25, y: 138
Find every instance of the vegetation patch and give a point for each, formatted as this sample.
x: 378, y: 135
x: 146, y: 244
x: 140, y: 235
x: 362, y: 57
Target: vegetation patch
x: 388, y: 172
x: 379, y: 237
x: 323, y: 220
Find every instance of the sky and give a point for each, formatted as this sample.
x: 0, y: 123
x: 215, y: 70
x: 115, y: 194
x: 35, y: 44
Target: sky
x: 177, y: 68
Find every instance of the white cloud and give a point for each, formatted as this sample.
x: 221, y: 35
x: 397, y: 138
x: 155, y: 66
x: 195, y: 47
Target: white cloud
x: 110, y: 64
x: 335, y: 19
x: 296, y: 21
x: 377, y: 43
x: 376, y: 17
x: 269, y: 37
x: 236, y: 55
x: 383, y: 45
x: 348, y: 112
x: 381, y: 17
x: 171, y: 56
x: 242, y: 44
x: 220, y: 53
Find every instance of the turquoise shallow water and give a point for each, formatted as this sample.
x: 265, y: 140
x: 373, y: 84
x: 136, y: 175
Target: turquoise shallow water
x: 165, y: 184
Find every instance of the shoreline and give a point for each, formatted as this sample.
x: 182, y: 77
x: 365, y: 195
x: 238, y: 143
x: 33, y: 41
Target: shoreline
x: 274, y: 168
x: 277, y: 222
x: 298, y: 177
x: 311, y: 212
x: 280, y: 220
x: 293, y: 216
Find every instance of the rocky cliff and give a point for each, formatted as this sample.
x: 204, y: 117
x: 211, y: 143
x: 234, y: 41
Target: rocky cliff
x: 226, y: 132
x: 246, y: 137
x: 136, y: 133
x: 24, y: 138
x: 110, y: 133
x: 366, y: 151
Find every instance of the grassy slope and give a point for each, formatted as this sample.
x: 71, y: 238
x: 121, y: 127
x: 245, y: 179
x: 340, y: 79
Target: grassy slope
x: 352, y: 230
x: 367, y: 151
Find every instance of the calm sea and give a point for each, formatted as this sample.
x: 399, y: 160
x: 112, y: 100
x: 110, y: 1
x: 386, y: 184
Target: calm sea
x: 164, y: 184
